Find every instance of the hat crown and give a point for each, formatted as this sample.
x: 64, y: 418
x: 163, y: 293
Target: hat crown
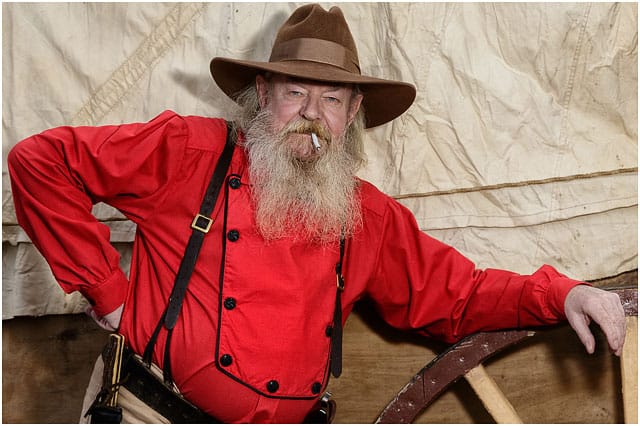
x: 311, y: 30
x: 316, y: 44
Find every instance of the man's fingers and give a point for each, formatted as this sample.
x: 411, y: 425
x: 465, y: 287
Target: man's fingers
x: 592, y: 304
x: 90, y: 313
x: 101, y: 321
x: 580, y: 325
x: 612, y: 321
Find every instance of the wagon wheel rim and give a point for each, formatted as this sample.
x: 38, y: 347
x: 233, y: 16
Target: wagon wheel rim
x: 465, y: 358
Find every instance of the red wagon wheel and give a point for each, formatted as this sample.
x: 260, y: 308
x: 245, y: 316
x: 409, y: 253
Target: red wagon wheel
x: 465, y: 358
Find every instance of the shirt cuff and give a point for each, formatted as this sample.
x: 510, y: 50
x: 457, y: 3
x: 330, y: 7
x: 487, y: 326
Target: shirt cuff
x: 557, y: 293
x: 107, y: 296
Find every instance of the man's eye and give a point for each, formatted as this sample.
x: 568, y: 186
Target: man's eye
x: 295, y: 93
x: 332, y: 99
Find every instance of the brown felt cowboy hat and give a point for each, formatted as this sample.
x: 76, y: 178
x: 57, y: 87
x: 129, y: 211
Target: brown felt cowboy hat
x: 316, y: 44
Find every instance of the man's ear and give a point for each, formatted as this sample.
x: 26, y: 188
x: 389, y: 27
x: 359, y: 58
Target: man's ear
x: 356, y: 101
x: 262, y: 88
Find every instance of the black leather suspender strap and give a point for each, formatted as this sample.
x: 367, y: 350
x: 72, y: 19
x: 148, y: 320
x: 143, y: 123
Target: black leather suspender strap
x: 336, y: 332
x: 200, y: 226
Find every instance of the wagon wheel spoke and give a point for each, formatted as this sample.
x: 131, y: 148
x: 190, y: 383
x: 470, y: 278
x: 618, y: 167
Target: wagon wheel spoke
x: 491, y: 396
x: 629, y: 370
x: 465, y: 358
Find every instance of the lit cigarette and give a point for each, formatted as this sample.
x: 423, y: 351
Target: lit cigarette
x: 314, y: 140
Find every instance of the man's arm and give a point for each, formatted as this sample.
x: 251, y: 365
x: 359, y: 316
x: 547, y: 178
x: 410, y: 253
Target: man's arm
x: 58, y: 175
x: 428, y: 286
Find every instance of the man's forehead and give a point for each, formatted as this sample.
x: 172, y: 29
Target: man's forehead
x: 298, y: 80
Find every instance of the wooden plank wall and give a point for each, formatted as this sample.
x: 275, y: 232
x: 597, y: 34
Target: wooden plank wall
x: 46, y: 363
x: 548, y: 379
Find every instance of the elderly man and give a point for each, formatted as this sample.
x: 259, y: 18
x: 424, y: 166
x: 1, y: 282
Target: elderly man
x: 250, y: 253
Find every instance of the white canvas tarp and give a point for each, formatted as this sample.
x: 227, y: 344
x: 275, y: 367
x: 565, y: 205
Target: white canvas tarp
x: 520, y: 149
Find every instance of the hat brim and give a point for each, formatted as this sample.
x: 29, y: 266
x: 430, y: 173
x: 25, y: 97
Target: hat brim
x: 383, y: 100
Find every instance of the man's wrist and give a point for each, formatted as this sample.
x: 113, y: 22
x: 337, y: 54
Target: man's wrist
x: 557, y: 294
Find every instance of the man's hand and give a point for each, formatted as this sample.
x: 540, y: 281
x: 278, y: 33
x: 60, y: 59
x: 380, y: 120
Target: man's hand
x: 583, y: 304
x: 110, y: 322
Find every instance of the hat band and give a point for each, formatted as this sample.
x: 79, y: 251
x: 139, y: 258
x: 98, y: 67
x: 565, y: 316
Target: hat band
x: 316, y: 50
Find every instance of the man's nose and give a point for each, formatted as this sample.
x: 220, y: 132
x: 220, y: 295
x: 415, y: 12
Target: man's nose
x: 311, y: 108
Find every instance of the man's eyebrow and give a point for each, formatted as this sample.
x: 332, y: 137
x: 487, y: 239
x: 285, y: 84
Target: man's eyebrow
x: 331, y: 84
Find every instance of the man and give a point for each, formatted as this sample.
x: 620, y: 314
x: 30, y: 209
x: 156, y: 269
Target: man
x: 257, y: 333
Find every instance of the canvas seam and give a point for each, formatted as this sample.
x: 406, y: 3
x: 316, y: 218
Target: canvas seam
x: 106, y: 97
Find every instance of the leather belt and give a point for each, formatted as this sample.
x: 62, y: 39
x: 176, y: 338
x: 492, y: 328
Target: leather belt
x: 138, y: 379
x: 151, y: 390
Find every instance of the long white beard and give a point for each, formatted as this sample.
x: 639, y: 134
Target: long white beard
x: 314, y: 200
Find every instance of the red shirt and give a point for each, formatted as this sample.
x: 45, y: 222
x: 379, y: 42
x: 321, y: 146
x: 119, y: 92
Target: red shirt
x: 267, y: 313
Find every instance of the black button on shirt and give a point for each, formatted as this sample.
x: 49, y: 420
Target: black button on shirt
x: 273, y: 386
x: 234, y: 183
x: 226, y: 360
x: 229, y: 303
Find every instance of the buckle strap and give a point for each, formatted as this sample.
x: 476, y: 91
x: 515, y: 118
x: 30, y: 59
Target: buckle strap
x: 201, y: 223
x: 200, y: 226
x: 197, y: 237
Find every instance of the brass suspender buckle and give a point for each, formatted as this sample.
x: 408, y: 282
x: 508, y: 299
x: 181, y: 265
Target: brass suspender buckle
x: 201, y: 223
